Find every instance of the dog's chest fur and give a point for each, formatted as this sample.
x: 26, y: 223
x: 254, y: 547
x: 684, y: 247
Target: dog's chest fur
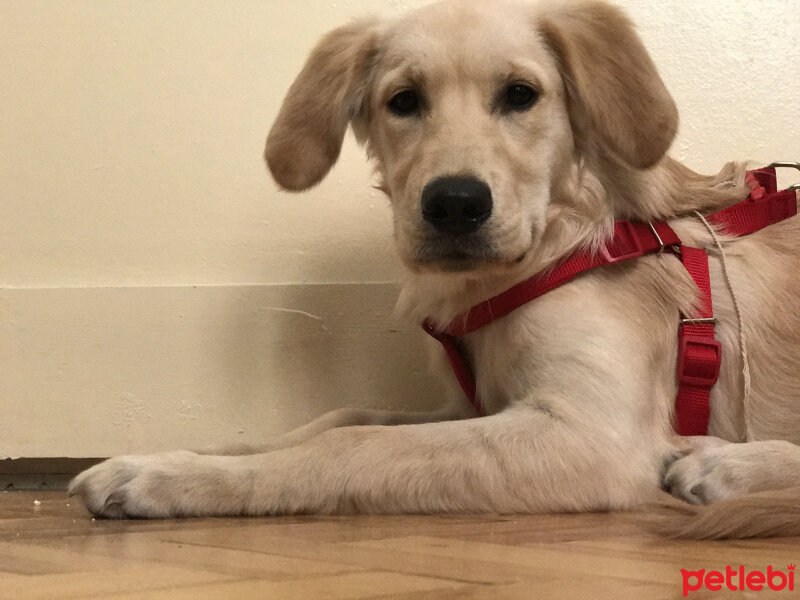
x: 595, y: 325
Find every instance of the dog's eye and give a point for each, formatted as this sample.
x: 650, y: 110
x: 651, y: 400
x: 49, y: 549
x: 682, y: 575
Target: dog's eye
x: 520, y: 97
x: 405, y: 103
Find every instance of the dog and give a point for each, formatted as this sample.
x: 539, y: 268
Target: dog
x: 507, y: 137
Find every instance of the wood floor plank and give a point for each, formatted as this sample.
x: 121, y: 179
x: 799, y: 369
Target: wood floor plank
x: 560, y: 561
x: 335, y: 587
x: 144, y: 547
x: 81, y: 585
x: 384, y: 555
x: 554, y: 589
x: 50, y: 548
x: 709, y: 555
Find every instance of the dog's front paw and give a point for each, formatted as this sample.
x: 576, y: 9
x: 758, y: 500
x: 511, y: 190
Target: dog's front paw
x: 148, y: 486
x: 700, y: 477
x: 717, y: 470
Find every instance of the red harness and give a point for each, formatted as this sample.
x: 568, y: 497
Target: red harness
x: 699, y: 352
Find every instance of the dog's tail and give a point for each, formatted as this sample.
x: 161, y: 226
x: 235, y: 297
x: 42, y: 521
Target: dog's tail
x: 763, y: 514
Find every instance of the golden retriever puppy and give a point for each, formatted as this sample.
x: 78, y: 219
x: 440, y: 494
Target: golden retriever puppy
x: 508, y: 136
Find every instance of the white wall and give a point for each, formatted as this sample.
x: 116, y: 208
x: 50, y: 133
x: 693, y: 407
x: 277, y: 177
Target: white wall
x: 151, y: 273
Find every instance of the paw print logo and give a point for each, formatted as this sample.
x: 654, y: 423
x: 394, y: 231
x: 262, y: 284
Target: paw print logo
x: 790, y: 567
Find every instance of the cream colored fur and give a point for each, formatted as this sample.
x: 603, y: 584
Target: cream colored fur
x: 580, y: 384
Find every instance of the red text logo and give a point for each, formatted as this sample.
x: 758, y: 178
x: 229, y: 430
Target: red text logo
x: 738, y: 580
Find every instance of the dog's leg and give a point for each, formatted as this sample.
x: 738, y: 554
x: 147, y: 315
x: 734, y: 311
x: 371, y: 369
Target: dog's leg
x: 717, y: 470
x: 459, y: 408
x: 516, y: 461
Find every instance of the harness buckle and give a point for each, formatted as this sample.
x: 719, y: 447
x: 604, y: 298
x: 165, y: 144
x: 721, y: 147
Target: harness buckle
x: 784, y: 164
x: 787, y: 164
x: 695, y: 365
x: 625, y: 244
x: 658, y: 237
x: 701, y: 321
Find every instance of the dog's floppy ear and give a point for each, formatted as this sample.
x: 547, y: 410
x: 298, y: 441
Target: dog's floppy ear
x: 612, y: 83
x: 307, y: 136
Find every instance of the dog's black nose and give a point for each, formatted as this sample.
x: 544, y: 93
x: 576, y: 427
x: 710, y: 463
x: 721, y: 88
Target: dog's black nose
x: 456, y: 205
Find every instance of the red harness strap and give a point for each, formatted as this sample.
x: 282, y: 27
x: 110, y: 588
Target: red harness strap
x: 765, y: 206
x: 699, y: 352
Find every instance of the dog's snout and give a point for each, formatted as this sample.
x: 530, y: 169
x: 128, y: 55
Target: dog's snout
x: 456, y: 205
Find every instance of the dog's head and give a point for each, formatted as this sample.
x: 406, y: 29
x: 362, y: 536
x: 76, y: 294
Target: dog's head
x: 473, y: 111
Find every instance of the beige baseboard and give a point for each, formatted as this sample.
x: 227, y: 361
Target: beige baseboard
x: 41, y: 473
x: 101, y: 371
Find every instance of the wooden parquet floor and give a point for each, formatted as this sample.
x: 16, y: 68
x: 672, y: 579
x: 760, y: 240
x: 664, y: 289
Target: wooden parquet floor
x: 50, y: 548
